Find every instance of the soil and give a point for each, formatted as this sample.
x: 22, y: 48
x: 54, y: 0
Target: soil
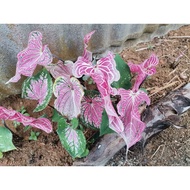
x: 169, y: 148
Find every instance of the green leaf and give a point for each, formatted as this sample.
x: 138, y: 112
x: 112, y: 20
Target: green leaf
x: 71, y: 139
x: 27, y: 128
x: 16, y: 124
x: 6, y: 137
x: 1, y: 155
x: 38, y: 87
x: 34, y: 135
x: 56, y: 116
x: 74, y: 123
x: 62, y: 124
x: 125, y: 74
x: 85, y: 77
x: 37, y: 134
x: 104, y: 128
x: 85, y: 153
x: 91, y: 93
x: 144, y: 90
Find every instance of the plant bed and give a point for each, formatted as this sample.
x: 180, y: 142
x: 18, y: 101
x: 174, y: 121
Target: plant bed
x: 172, y: 72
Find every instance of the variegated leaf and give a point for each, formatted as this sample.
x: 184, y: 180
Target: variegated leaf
x: 107, y: 66
x: 38, y: 87
x: 115, y: 122
x: 130, y: 101
x: 35, y: 54
x: 60, y: 69
x: 147, y: 68
x: 134, y: 128
x: 6, y: 137
x: 40, y: 123
x: 103, y: 73
x: 91, y: 110
x: 128, y: 108
x: 69, y: 93
x: 87, y: 55
x: 73, y: 140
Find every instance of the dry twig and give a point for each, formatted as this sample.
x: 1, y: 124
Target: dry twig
x: 179, y: 37
x: 156, y: 151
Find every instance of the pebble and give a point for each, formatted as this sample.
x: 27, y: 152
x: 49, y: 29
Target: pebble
x: 187, y: 160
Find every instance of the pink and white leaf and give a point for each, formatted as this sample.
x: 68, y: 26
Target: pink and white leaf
x: 115, y: 123
x: 103, y: 73
x: 147, y: 68
x: 38, y: 87
x: 40, y: 123
x: 35, y: 54
x: 107, y: 66
x: 61, y: 69
x: 82, y: 67
x: 69, y: 93
x: 128, y: 108
x: 91, y: 110
x: 87, y: 55
x: 130, y: 101
x: 149, y: 65
x: 133, y: 130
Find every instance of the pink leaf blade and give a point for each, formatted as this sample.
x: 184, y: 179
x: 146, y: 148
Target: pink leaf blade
x: 149, y: 65
x: 134, y: 68
x: 31, y: 56
x: 147, y: 68
x: 130, y: 101
x: 82, y: 67
x: 92, y: 109
x: 43, y: 124
x: 16, y: 78
x: 87, y: 55
x: 128, y: 108
x: 40, y: 123
x: 69, y: 93
x: 107, y: 66
x: 61, y: 69
x: 88, y: 37
x: 133, y: 131
x: 115, y: 122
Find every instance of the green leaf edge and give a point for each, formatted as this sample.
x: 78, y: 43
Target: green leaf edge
x: 50, y: 89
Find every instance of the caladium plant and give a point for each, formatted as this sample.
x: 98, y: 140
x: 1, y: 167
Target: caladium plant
x: 127, y: 121
x: 114, y: 107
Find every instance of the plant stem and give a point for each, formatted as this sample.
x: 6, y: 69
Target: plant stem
x: 58, y: 58
x: 10, y: 129
x: 51, y: 106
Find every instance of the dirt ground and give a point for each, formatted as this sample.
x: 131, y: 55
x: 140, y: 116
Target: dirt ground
x: 170, y: 148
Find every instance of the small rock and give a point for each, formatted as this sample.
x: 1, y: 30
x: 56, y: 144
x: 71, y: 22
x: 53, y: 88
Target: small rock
x: 187, y: 160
